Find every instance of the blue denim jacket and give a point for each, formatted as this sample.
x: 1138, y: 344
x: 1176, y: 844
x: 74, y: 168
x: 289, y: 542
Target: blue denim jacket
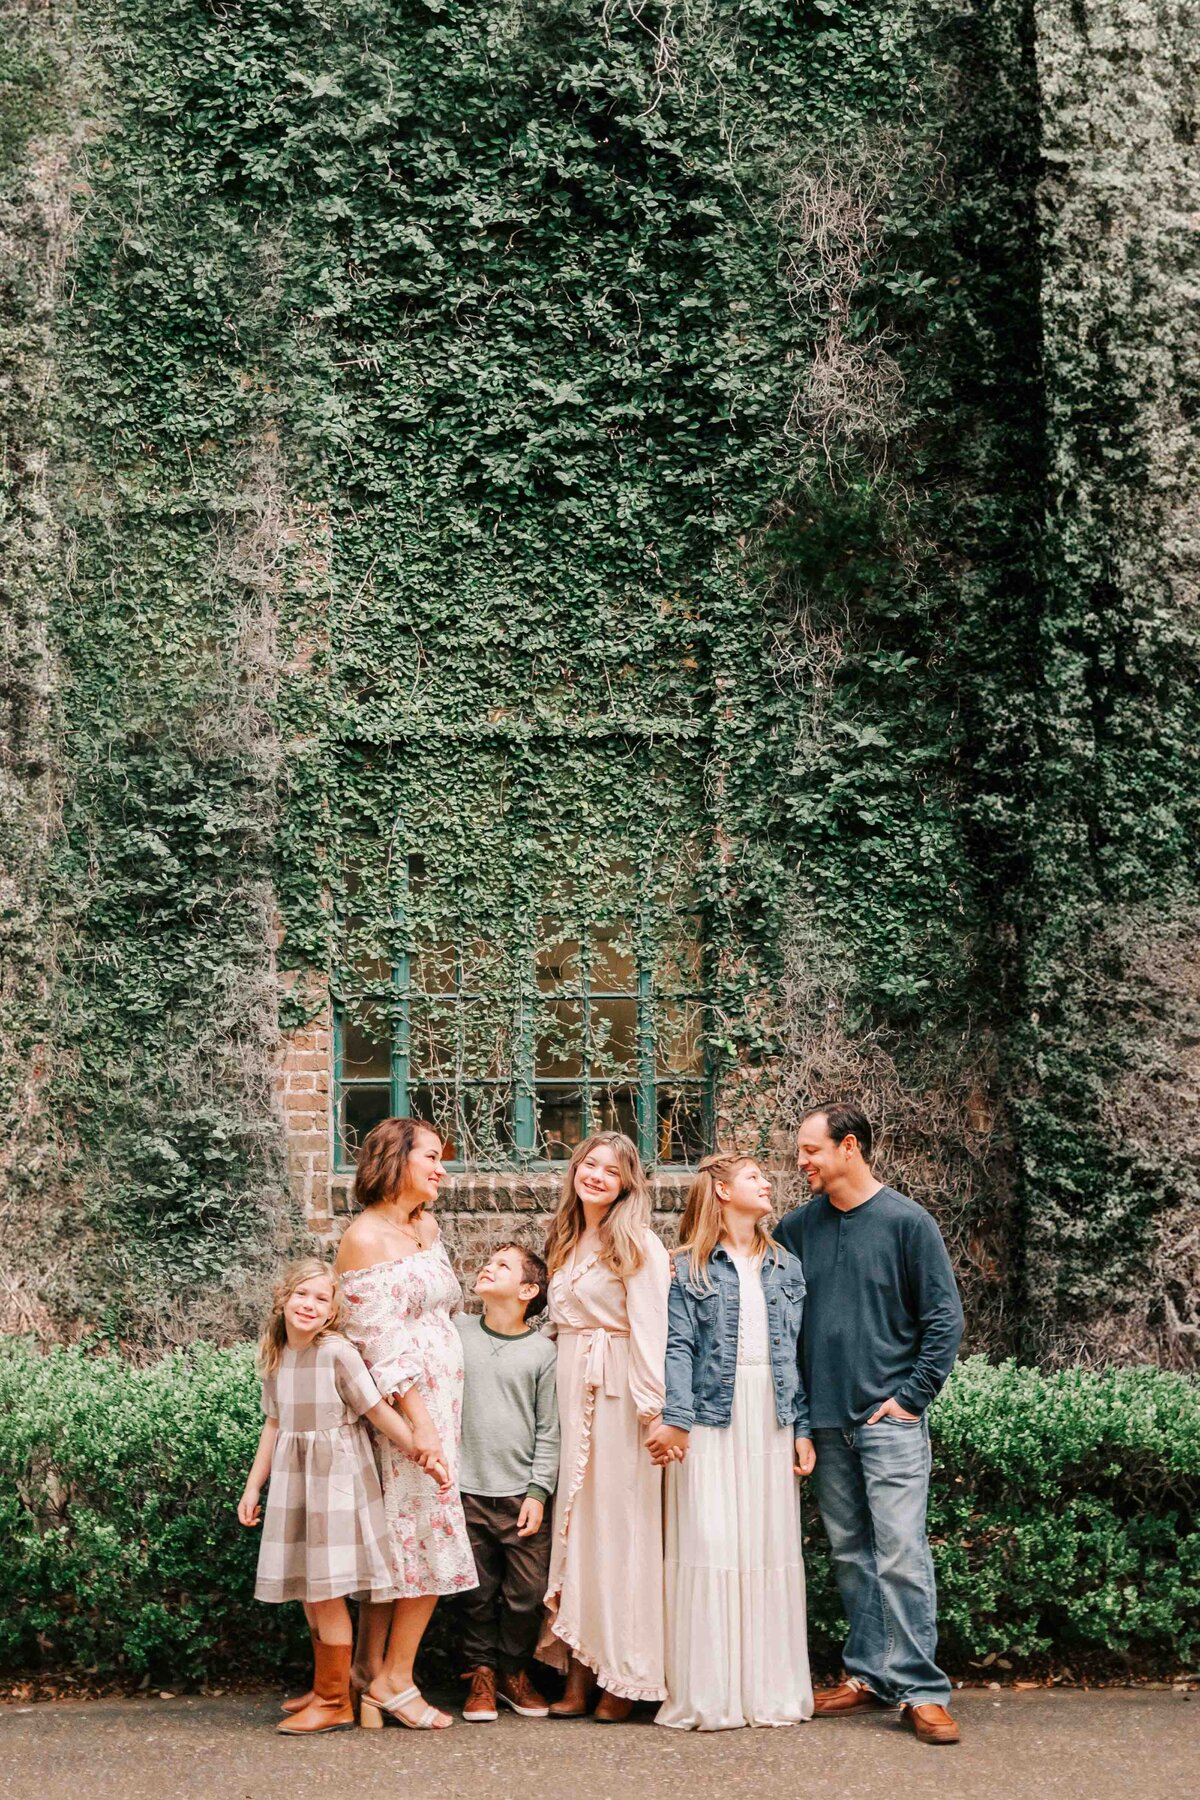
x: 702, y: 1341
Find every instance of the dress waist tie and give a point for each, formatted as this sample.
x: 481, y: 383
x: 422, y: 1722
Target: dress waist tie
x: 599, y: 1375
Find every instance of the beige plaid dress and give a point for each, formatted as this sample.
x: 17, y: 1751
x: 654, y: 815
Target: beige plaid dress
x: 324, y: 1533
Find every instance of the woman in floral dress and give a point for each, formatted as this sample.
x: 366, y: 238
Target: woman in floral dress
x: 400, y: 1293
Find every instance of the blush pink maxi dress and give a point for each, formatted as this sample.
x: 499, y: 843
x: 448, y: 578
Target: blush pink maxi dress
x: 604, y: 1602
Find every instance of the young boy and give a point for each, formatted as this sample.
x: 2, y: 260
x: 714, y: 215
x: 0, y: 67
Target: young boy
x: 508, y: 1467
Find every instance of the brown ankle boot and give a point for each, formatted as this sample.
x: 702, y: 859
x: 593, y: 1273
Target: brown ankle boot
x: 576, y: 1694
x: 300, y: 1701
x: 613, y: 1709
x: 330, y: 1708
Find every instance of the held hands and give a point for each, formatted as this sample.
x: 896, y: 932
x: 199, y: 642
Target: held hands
x: 890, y: 1410
x: 529, y: 1519
x: 248, y: 1509
x: 665, y: 1443
x: 806, y: 1456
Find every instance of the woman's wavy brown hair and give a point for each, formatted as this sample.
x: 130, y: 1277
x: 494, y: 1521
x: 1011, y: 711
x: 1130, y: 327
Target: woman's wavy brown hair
x: 700, y: 1231
x: 383, y: 1159
x: 273, y: 1341
x: 624, y: 1224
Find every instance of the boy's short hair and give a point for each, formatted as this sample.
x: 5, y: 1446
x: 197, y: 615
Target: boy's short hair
x: 533, y: 1274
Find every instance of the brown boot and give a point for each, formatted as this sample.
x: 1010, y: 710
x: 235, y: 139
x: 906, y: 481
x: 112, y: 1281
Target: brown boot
x: 519, y: 1692
x: 480, y: 1708
x: 576, y: 1694
x: 330, y: 1708
x: 847, y: 1697
x: 300, y: 1701
x: 931, y: 1723
x: 613, y: 1709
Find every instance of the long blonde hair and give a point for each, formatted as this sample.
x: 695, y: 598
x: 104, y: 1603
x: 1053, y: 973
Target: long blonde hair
x: 273, y: 1341
x: 624, y: 1224
x: 700, y: 1232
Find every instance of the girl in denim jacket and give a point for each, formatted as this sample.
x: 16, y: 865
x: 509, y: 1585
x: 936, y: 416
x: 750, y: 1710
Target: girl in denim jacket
x: 735, y: 1438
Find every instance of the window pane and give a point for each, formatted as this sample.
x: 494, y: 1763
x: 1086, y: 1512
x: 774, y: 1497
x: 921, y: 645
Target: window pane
x: 679, y: 1031
x: 559, y: 1121
x: 612, y: 967
x: 362, y: 1108
x: 431, y: 1039
x: 615, y: 1109
x: 487, y: 1122
x: 614, y: 1038
x: 557, y: 960
x: 432, y: 969
x: 475, y: 1127
x: 681, y: 960
x: 366, y: 1047
x: 680, y: 1125
x: 486, y: 1026
x: 559, y: 1039
x: 433, y: 1104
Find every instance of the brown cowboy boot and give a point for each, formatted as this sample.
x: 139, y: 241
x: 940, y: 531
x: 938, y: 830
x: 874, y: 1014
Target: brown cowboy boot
x: 519, y: 1692
x: 576, y: 1694
x: 480, y: 1708
x: 300, y: 1701
x: 330, y: 1708
x: 931, y: 1723
x: 847, y: 1697
x: 613, y: 1709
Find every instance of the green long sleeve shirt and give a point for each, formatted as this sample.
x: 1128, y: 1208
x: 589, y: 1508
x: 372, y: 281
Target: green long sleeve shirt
x: 510, y: 1413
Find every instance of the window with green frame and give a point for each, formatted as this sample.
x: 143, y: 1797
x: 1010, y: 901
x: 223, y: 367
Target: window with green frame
x: 517, y: 1043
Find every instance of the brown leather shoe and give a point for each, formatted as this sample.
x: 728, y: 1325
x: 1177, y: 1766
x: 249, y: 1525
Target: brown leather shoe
x: 613, y: 1709
x: 576, y: 1694
x: 330, y: 1708
x: 519, y: 1692
x: 847, y: 1697
x: 480, y: 1708
x: 931, y: 1723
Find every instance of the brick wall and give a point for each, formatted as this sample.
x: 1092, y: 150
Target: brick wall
x: 305, y: 1087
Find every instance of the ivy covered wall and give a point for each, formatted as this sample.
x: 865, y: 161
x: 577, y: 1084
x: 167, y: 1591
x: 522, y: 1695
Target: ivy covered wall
x: 569, y: 439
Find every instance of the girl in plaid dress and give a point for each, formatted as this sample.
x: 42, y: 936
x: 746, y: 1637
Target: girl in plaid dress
x: 324, y: 1535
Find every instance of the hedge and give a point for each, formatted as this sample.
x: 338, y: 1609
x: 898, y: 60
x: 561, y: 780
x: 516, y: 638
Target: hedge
x: 1063, y: 1517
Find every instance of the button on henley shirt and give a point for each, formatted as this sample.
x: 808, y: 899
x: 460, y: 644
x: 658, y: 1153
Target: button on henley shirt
x: 882, y: 1316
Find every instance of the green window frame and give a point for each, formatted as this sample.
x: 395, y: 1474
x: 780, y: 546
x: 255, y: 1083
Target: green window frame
x: 664, y: 1098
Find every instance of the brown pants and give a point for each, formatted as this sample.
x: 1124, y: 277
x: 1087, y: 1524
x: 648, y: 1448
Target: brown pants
x: 500, y: 1619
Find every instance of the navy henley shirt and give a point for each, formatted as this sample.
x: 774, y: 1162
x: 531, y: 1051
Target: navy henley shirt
x: 882, y: 1316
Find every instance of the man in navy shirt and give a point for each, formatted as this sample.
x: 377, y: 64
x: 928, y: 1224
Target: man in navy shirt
x: 882, y: 1325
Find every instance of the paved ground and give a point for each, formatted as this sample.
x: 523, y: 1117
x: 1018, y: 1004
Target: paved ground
x: 1043, y: 1745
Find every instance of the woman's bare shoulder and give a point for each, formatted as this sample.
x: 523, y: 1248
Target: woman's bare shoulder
x: 362, y: 1244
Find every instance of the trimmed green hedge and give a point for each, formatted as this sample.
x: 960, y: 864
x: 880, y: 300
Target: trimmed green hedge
x: 1064, y: 1518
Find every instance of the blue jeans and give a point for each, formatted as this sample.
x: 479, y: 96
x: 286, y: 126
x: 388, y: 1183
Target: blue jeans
x: 872, y: 1485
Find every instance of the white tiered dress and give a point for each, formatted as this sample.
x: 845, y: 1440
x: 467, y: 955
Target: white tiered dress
x: 736, y: 1630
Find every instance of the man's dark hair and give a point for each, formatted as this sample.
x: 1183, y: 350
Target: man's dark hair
x: 533, y: 1274
x: 845, y: 1121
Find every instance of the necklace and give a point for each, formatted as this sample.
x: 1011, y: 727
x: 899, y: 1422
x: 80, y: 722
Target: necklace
x: 405, y: 1225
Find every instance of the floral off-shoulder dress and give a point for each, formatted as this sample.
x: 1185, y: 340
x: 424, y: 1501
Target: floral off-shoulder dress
x: 399, y: 1315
